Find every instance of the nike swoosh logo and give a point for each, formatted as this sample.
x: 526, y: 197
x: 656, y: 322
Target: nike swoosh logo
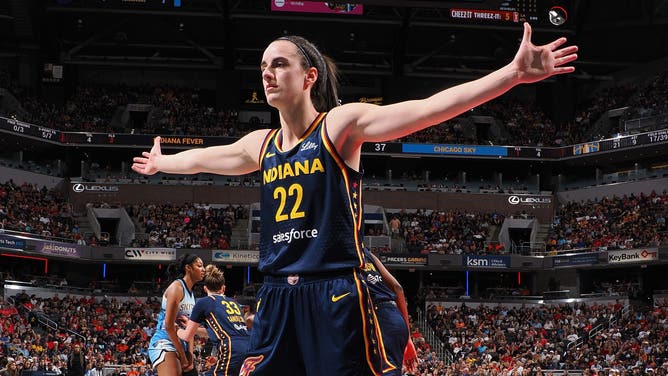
x: 269, y: 155
x: 337, y: 298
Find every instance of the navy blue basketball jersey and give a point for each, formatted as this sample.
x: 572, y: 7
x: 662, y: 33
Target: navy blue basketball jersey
x: 226, y: 328
x: 374, y: 280
x: 310, y: 206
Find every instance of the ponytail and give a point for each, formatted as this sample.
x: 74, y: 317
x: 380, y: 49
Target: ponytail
x: 214, y: 279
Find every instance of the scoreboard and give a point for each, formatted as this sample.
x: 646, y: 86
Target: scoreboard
x: 556, y: 13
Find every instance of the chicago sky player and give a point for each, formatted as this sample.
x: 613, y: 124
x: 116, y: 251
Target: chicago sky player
x: 166, y: 351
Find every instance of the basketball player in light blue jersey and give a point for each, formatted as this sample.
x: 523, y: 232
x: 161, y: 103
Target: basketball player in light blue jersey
x: 225, y: 326
x: 166, y: 351
x: 314, y: 310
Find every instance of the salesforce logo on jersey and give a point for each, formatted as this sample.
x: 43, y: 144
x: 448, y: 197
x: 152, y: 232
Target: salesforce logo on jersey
x: 497, y: 262
x: 241, y: 257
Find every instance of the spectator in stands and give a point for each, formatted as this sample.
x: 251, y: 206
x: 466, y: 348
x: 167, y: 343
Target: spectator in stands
x: 11, y: 369
x: 394, y: 226
x: 76, y: 362
x: 95, y: 371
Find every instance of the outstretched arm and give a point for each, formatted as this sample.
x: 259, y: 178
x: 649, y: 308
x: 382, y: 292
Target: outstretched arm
x: 238, y: 158
x: 352, y: 124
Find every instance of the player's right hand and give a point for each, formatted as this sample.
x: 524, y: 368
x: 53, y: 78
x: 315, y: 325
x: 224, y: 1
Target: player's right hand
x: 186, y: 361
x: 210, y: 361
x: 146, y: 164
x: 410, y: 357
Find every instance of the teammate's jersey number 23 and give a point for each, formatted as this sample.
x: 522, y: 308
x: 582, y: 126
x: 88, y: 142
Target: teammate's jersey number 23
x: 282, y: 194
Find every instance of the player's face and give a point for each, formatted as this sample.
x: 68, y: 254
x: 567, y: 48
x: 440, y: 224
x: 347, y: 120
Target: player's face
x: 283, y: 77
x: 197, y: 270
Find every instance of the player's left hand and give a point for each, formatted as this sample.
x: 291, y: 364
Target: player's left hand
x: 410, y: 357
x: 182, y: 321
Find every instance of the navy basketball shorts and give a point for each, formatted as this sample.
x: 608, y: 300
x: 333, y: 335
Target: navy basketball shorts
x: 230, y: 357
x: 313, y: 325
x: 394, y: 333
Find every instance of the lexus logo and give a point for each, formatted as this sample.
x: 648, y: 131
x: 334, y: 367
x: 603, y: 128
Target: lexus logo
x: 78, y: 188
x: 513, y: 200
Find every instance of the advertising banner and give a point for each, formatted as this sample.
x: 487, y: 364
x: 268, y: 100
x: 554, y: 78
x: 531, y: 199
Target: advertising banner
x: 150, y: 254
x: 59, y: 249
x: 316, y: 7
x: 235, y: 257
x: 633, y: 255
x: 402, y: 259
x: 579, y: 259
x: 12, y: 243
x: 486, y: 262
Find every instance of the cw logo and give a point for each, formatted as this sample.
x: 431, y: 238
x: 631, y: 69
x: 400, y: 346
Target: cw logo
x: 249, y: 365
x: 132, y: 253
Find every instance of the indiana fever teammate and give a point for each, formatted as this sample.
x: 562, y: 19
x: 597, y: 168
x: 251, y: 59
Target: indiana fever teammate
x: 224, y: 323
x: 391, y: 311
x: 314, y: 316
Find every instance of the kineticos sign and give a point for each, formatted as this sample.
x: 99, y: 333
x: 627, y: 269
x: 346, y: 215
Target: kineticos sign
x: 529, y: 200
x: 80, y: 188
x: 242, y: 257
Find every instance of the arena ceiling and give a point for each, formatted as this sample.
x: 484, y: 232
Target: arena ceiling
x: 407, y: 38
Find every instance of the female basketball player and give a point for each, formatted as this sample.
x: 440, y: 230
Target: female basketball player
x: 168, y: 353
x: 391, y: 310
x: 226, y: 326
x: 311, y: 241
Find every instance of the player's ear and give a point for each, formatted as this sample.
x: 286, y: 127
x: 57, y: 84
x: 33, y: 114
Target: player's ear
x: 311, y: 77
